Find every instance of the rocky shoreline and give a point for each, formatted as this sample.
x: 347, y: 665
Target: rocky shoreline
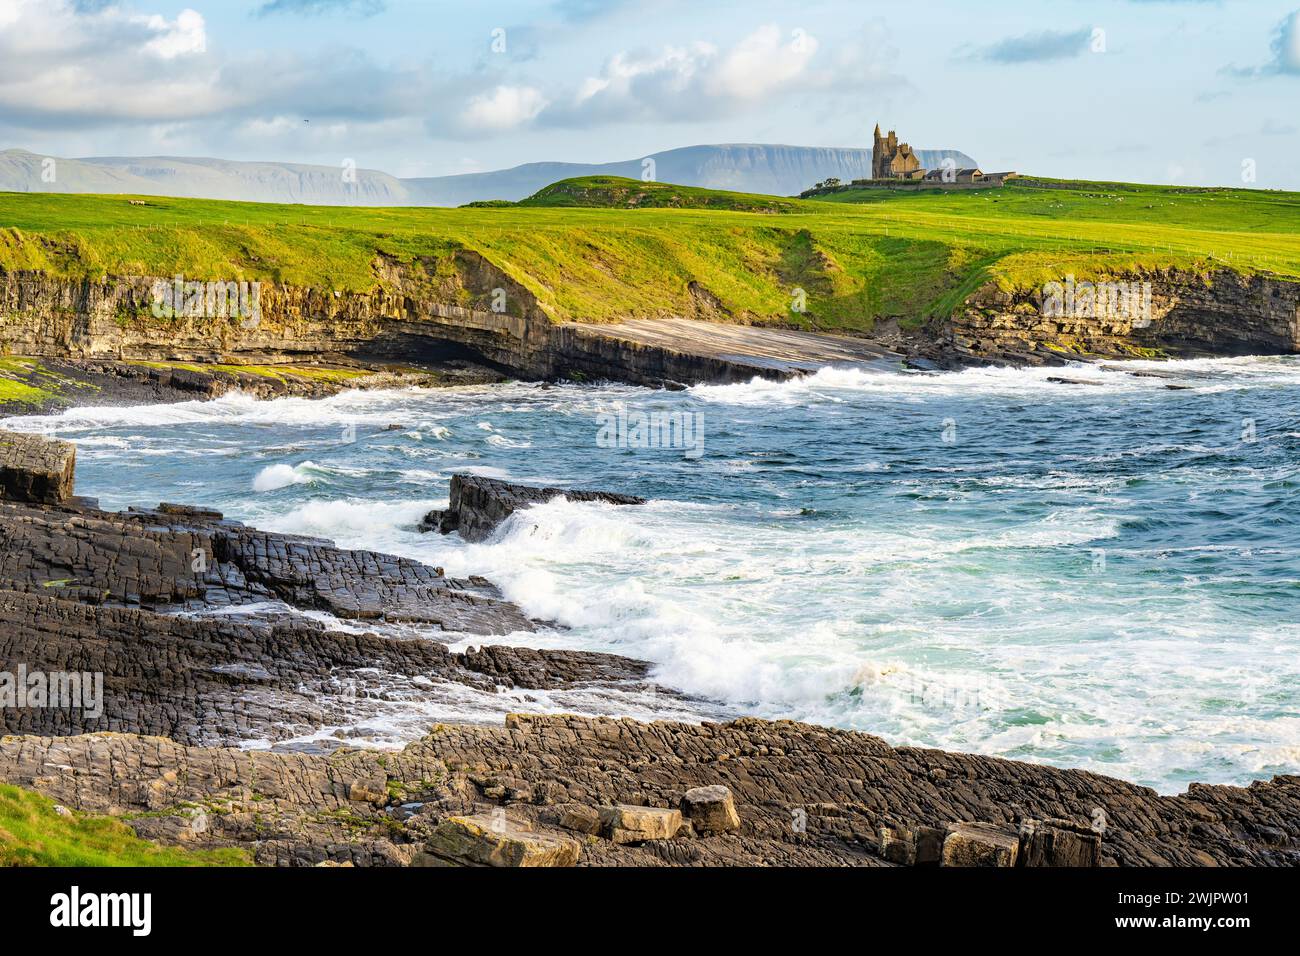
x: 463, y: 314
x: 559, y: 790
x: 199, y: 628
x: 44, y: 386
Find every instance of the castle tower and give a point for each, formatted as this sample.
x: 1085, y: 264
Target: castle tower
x: 891, y: 159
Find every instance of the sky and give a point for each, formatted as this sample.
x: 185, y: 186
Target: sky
x: 1161, y: 91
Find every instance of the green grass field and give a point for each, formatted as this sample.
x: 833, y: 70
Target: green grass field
x: 858, y: 256
x: 617, y: 192
x: 32, y: 833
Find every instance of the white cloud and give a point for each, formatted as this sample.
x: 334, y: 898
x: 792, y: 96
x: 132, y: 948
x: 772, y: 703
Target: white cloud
x: 98, y: 63
x: 1288, y: 44
x: 1286, y: 52
x: 693, y: 81
x: 505, y: 107
x: 74, y: 66
x: 80, y: 65
x: 763, y: 62
x: 187, y: 34
x: 673, y: 70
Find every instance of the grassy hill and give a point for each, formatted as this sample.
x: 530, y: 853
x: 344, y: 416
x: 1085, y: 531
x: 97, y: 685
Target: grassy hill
x: 617, y: 192
x: 860, y: 257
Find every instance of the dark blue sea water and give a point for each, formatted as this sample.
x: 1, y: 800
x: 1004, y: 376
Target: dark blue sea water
x: 1103, y: 575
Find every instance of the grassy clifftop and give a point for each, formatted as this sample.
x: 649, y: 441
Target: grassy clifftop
x: 865, y: 255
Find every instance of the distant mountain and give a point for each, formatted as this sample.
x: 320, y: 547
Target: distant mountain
x: 742, y: 167
x: 21, y: 171
x: 755, y: 168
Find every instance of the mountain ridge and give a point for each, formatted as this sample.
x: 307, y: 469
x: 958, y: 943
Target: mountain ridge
x: 769, y: 169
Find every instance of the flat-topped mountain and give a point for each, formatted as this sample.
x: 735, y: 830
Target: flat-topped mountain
x: 776, y: 170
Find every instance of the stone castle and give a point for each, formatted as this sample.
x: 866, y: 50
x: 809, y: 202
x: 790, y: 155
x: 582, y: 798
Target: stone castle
x: 891, y: 159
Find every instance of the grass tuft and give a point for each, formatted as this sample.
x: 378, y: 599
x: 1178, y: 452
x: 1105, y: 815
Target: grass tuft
x: 32, y: 833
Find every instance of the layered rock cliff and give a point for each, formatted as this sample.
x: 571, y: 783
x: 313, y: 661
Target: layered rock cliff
x: 1172, y: 313
x: 433, y: 310
x: 461, y: 307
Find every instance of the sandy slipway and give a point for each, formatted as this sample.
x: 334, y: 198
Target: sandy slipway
x: 146, y: 598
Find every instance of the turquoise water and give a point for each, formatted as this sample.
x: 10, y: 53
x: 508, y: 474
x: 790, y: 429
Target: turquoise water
x: 1105, y: 575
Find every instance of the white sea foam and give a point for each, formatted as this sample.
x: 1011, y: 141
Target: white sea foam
x: 932, y: 596
x: 354, y: 522
x: 275, y: 477
x: 832, y: 383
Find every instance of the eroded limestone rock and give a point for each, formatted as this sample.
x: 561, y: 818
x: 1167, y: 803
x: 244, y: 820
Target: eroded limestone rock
x: 629, y: 824
x: 36, y: 469
x: 478, y: 504
x: 295, y: 808
x: 492, y: 839
x: 711, y: 809
x: 1059, y: 843
x: 979, y: 844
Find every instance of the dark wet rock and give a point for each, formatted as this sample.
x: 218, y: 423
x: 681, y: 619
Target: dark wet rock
x: 919, y: 363
x: 194, y: 624
x: 36, y: 469
x: 191, y: 559
x: 230, y: 678
x: 1059, y: 843
x: 1063, y: 380
x: 64, y: 381
x: 526, y: 667
x: 478, y: 504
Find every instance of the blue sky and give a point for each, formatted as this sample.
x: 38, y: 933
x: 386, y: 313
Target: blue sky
x: 1169, y: 91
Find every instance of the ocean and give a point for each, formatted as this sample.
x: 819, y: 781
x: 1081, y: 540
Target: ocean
x: 1101, y: 575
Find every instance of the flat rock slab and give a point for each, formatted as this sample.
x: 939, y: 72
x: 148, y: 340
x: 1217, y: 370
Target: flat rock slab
x: 190, y: 560
x: 764, y: 351
x: 478, y: 504
x: 36, y: 469
x: 978, y: 844
x: 629, y: 824
x: 493, y: 839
